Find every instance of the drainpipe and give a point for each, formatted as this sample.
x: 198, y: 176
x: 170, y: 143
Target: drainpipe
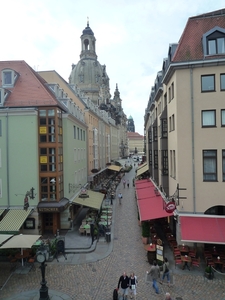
x: 7, y: 156
x: 193, y: 139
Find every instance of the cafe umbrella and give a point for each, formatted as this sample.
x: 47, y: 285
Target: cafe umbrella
x: 22, y: 241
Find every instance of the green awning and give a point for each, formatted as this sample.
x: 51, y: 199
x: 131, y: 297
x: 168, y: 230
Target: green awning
x: 14, y: 219
x: 94, y: 200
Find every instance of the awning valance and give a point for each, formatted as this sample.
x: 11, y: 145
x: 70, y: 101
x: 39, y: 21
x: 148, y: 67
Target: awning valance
x: 94, y: 200
x: 203, y: 229
x: 4, y: 237
x: 142, y: 170
x: 53, y: 206
x: 14, y: 219
x: 150, y: 203
x: 114, y: 168
x: 1, y: 211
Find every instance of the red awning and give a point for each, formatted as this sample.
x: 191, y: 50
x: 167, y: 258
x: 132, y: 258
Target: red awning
x: 203, y: 229
x: 150, y: 203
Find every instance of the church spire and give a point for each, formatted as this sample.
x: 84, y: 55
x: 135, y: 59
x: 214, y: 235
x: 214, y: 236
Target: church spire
x: 88, y: 43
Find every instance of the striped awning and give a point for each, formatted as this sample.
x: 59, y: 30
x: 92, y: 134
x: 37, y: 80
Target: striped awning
x: 94, y: 200
x: 114, y: 168
x: 14, y: 219
x: 142, y: 170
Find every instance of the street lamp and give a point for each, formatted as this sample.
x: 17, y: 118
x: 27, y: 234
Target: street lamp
x: 42, y: 256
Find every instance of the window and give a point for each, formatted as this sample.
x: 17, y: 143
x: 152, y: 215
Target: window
x: 222, y: 117
x: 172, y: 123
x: 78, y: 133
x: 74, y: 132
x: 155, y: 159
x: 216, y: 46
x: 155, y: 135
x: 208, y: 83
x: 0, y: 127
x: 9, y: 77
x: 84, y: 135
x: 209, y: 165
x: 163, y: 128
x: 172, y: 90
x: 222, y: 82
x: 208, y: 118
x: 223, y: 158
x: 164, y: 162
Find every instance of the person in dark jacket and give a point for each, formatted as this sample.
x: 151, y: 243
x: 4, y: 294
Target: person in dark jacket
x: 124, y: 283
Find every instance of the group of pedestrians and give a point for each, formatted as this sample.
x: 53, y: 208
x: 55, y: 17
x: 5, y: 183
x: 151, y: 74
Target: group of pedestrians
x: 128, y: 284
x: 126, y: 182
x: 155, y: 274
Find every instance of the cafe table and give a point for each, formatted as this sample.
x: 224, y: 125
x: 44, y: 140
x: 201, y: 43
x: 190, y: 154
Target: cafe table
x: 104, y: 223
x: 183, y: 249
x: 106, y: 206
x: 218, y: 263
x: 151, y: 252
x: 86, y: 226
x: 186, y: 259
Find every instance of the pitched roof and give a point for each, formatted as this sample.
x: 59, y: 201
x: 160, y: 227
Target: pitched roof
x: 190, y: 44
x: 134, y: 135
x: 30, y: 88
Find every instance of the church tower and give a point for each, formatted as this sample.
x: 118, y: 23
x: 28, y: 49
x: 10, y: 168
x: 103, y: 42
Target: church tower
x: 130, y: 126
x: 89, y: 76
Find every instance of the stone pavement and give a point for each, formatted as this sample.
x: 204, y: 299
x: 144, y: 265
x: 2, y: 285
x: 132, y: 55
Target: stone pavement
x: 92, y: 271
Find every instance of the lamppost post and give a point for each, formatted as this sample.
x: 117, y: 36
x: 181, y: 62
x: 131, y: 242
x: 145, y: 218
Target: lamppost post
x: 42, y: 256
x: 44, y: 289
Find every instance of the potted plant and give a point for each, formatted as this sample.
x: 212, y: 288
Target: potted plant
x: 145, y: 231
x: 209, y: 272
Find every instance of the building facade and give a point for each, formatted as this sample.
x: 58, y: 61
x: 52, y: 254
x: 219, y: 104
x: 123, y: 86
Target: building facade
x: 40, y: 128
x: 184, y: 125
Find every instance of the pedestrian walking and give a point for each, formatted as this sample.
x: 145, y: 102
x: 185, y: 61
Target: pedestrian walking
x: 166, y: 271
x: 133, y: 285
x: 124, y: 183
x: 155, y: 273
x: 120, y: 197
x: 128, y: 183
x: 124, y: 283
x: 168, y: 297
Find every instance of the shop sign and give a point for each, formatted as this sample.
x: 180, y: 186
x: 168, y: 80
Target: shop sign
x: 170, y: 207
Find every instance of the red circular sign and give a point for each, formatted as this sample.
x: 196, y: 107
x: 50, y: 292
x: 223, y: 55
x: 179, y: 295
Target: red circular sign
x: 170, y: 207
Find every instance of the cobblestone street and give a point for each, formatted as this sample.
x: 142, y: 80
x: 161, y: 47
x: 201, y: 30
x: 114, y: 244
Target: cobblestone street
x: 97, y: 280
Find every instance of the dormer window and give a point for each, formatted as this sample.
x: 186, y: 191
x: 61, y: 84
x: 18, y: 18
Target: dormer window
x: 9, y: 77
x: 216, y: 46
x: 214, y: 41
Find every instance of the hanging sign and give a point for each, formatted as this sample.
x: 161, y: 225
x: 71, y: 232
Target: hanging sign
x: 170, y: 207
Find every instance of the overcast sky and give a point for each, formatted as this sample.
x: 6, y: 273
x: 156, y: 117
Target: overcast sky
x: 132, y: 38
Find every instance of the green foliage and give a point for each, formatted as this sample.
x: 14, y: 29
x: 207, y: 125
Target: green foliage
x: 145, y: 228
x: 208, y: 269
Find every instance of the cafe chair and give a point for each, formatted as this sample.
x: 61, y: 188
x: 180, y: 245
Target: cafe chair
x: 31, y: 262
x: 176, y: 252
x: 178, y: 261
x: 196, y: 262
x: 192, y: 253
x: 82, y: 231
x: 13, y: 261
x: 210, y: 262
x: 88, y: 231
